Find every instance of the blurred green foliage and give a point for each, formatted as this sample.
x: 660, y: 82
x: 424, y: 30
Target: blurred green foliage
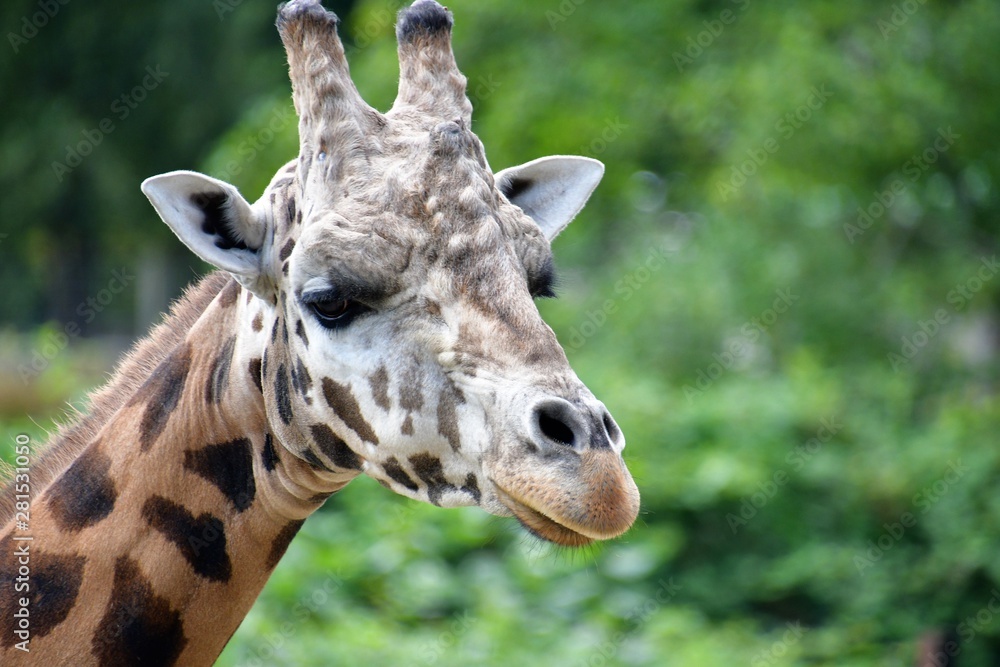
x: 784, y: 290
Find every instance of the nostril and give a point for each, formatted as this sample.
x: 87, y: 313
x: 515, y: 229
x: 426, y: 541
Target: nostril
x: 554, y: 428
x: 610, y: 427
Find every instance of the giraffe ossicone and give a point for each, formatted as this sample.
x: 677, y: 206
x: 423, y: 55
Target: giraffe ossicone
x: 373, y: 314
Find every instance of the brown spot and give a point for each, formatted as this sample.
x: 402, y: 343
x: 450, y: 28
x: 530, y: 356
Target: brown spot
x: 336, y: 449
x: 256, y: 373
x: 228, y: 466
x: 281, y: 396
x: 85, y: 493
x: 258, y: 321
x: 470, y: 337
x: 430, y: 471
x: 309, y: 456
x: 229, y: 294
x: 201, y: 540
x: 249, y: 297
x: 447, y: 415
x: 433, y: 308
x: 278, y: 185
x: 544, y: 354
x: 410, y: 397
x: 407, y: 427
x: 218, y: 376
x: 340, y: 398
x: 397, y: 474
x: 301, y: 380
x: 281, y: 542
x: 472, y: 487
x: 161, y: 393
x: 284, y: 269
x: 379, y: 382
x: 286, y: 250
x: 268, y: 455
x: 138, y: 627
x: 52, y: 590
x: 300, y: 331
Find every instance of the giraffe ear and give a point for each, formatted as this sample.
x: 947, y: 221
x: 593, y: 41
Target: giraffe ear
x: 551, y: 190
x: 212, y: 219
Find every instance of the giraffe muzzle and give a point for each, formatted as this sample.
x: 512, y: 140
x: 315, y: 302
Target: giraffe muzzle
x: 568, y: 483
x: 573, y: 501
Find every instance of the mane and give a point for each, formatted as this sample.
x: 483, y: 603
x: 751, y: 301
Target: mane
x: 70, y: 438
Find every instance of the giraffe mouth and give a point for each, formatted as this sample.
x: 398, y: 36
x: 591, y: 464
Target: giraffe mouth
x: 540, y: 524
x: 592, y: 497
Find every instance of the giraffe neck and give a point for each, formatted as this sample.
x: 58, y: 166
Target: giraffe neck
x: 154, y: 541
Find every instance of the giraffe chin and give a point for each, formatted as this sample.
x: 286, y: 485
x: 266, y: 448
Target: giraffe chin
x: 542, y: 526
x: 563, y: 531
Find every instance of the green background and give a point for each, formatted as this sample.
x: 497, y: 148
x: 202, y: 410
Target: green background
x: 784, y: 289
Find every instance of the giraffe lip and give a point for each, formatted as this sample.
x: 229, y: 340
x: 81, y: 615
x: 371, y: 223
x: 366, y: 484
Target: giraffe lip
x: 540, y: 524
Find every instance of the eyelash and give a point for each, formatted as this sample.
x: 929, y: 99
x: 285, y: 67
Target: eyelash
x: 543, y: 291
x: 342, y: 313
x: 543, y: 281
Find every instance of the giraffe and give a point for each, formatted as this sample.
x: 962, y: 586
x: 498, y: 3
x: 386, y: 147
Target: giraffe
x: 372, y: 313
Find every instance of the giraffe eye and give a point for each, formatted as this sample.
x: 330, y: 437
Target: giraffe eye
x: 336, y: 313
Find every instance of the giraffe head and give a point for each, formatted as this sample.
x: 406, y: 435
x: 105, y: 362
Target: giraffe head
x: 406, y: 270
